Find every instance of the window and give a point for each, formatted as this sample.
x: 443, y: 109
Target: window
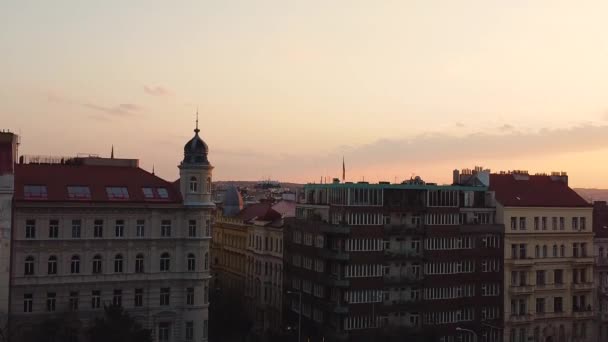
x: 35, y: 192
x: 30, y: 229
x: 97, y: 264
x: 120, y: 228
x: 51, y: 300
x: 536, y: 223
x: 165, y: 261
x: 554, y: 251
x: 138, y: 300
x: 165, y: 228
x: 75, y: 264
x: 575, y: 250
x: 53, y: 229
x: 558, y: 276
x: 540, y: 277
x: 513, y: 223
x: 562, y: 223
x: 192, y: 228
x: 95, y: 299
x: 544, y: 222
x: 52, y: 265
x: 28, y: 302
x: 558, y: 304
x: 29, y: 265
x: 117, y: 298
x: 140, y: 228
x: 522, y: 250
x: 537, y: 251
x: 74, y: 301
x: 583, y: 222
x: 117, y: 193
x: 205, y: 328
x: 98, y: 228
x: 162, y: 193
x: 206, y: 264
x: 189, y: 331
x: 540, y: 305
x: 163, y: 332
x: 562, y: 251
x: 165, y: 294
x: 190, y: 296
x: 139, y: 263
x: 522, y: 223
x: 207, y: 227
x: 554, y: 223
x: 191, y: 263
x: 76, y: 229
x: 79, y: 192
x: 193, y: 184
x: 575, y: 223
x: 148, y: 192
x: 544, y: 251
x: 118, y: 263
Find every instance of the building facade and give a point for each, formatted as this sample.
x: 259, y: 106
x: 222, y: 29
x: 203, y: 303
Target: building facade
x: 89, y: 232
x: 600, y: 242
x: 548, y: 258
x: 393, y: 261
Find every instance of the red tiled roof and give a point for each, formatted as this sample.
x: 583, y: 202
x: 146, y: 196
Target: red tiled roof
x: 57, y: 177
x: 534, y: 191
x: 259, y: 211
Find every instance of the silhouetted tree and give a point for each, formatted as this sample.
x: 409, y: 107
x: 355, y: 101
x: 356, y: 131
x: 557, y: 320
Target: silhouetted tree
x: 117, y: 326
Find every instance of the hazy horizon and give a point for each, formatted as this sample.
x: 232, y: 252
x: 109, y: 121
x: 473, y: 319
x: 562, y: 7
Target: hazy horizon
x: 285, y: 90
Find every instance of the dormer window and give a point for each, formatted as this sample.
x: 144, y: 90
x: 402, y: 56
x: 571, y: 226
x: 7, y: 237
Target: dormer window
x: 35, y: 192
x: 162, y: 193
x: 193, y: 184
x: 117, y: 193
x: 79, y: 192
x: 155, y: 193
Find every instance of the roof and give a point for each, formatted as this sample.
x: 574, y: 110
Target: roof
x: 57, y: 178
x: 513, y: 190
x: 259, y: 211
x: 285, y: 208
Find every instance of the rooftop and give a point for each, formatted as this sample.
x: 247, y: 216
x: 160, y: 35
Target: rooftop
x: 524, y: 190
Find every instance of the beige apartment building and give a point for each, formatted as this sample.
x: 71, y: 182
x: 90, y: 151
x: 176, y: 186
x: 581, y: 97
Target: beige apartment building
x: 248, y: 259
x: 91, y: 231
x: 548, y: 265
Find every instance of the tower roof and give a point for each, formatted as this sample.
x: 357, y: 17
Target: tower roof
x: 196, y: 150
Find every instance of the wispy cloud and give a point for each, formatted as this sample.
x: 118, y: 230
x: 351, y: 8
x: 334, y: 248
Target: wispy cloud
x: 120, y: 110
x: 506, y: 128
x: 157, y: 91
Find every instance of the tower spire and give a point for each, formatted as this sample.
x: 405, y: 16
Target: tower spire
x: 153, y: 169
x: 196, y: 130
x: 112, y: 153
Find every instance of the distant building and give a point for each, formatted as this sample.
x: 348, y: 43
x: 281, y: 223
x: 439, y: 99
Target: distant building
x: 600, y: 229
x: 89, y: 232
x: 395, y: 262
x: 248, y: 260
x: 549, y: 287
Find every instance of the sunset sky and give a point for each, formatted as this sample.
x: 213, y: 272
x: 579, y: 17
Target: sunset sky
x: 286, y: 88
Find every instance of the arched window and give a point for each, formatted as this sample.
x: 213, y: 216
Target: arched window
x: 75, y: 264
x: 165, y: 261
x: 52, y: 265
x: 193, y: 184
x: 544, y: 251
x: 118, y: 263
x: 97, y: 264
x: 537, y: 251
x: 208, y: 184
x: 206, y: 264
x: 562, y: 251
x: 29, y: 265
x: 191, y: 262
x: 139, y: 263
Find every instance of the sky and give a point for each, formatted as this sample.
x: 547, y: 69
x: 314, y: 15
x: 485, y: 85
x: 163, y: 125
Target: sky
x: 286, y: 89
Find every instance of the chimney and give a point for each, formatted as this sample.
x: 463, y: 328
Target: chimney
x: 456, y: 177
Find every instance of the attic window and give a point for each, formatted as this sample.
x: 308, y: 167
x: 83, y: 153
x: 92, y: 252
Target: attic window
x: 117, y: 193
x: 79, y: 192
x: 155, y: 193
x: 162, y: 193
x: 148, y: 192
x: 35, y: 192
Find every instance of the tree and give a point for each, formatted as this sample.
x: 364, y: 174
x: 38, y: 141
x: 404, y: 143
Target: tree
x: 116, y: 325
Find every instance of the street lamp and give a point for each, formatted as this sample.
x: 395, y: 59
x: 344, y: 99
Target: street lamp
x: 467, y: 330
x: 299, y: 293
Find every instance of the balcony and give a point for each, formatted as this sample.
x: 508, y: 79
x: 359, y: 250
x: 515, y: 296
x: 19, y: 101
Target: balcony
x: 521, y: 289
x: 550, y: 287
x: 333, y: 254
x: 584, y: 260
x: 402, y: 229
x: 583, y: 314
x: 588, y: 286
x: 521, y: 318
x: 393, y: 255
x: 402, y: 279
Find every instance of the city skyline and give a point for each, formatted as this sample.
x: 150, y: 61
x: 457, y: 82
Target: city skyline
x: 288, y: 89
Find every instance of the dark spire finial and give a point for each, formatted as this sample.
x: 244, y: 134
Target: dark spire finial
x: 112, y: 153
x: 152, y: 168
x: 196, y: 130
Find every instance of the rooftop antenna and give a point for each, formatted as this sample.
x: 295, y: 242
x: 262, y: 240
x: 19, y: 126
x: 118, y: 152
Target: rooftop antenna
x: 343, y: 170
x: 196, y: 130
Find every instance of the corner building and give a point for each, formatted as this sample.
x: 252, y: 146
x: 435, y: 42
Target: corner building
x: 410, y: 261
x: 92, y: 231
x: 548, y: 259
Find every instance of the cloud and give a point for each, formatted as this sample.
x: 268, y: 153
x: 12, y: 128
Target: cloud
x: 157, y: 91
x: 460, y: 125
x: 120, y: 110
x: 506, y: 128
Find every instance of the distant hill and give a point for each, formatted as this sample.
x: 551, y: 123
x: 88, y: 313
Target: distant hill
x: 251, y: 184
x: 592, y: 195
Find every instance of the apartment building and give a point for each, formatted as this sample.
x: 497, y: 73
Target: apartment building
x: 395, y: 261
x: 548, y: 261
x: 600, y: 242
x: 248, y: 260
x: 91, y: 231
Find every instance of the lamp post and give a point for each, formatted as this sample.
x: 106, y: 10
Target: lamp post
x: 467, y: 330
x: 299, y: 293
